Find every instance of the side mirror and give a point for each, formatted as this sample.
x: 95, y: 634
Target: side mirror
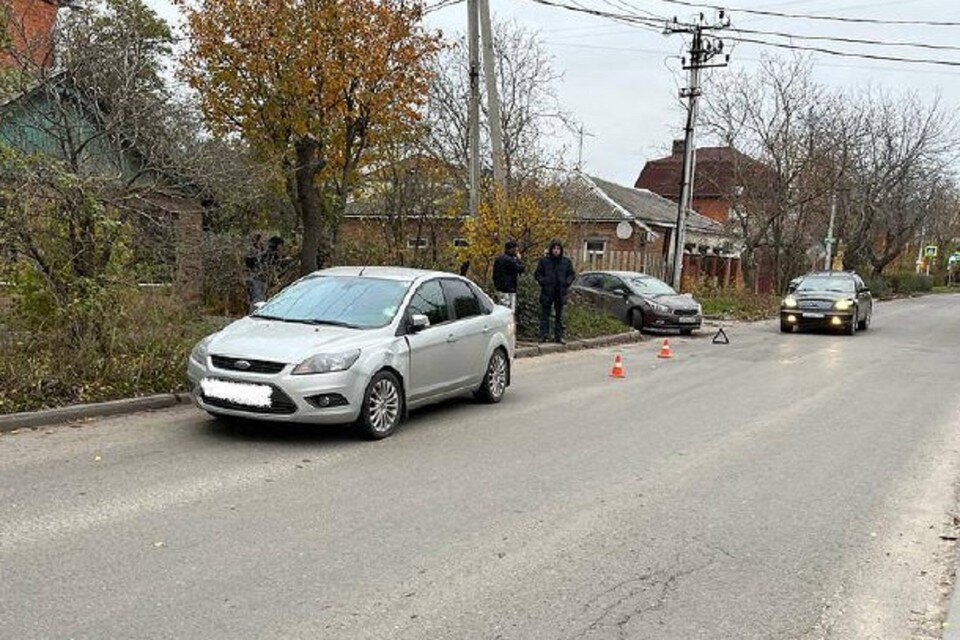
x: 418, y: 322
x: 620, y: 291
x: 258, y: 305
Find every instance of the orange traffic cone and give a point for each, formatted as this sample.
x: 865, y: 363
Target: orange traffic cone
x: 665, y: 351
x: 617, y: 370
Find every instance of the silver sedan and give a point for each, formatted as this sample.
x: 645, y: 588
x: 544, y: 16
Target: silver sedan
x: 357, y: 344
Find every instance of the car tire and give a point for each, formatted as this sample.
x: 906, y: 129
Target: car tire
x: 495, y: 380
x: 786, y: 327
x: 686, y: 332
x: 865, y: 323
x: 636, y: 319
x: 851, y: 329
x: 383, y: 405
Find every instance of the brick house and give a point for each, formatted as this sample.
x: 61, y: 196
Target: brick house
x: 31, y: 29
x: 715, y: 187
x: 609, y: 226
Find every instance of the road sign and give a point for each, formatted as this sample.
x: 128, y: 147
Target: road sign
x: 930, y: 251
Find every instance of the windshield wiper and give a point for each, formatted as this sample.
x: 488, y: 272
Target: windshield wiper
x: 332, y: 323
x: 263, y: 317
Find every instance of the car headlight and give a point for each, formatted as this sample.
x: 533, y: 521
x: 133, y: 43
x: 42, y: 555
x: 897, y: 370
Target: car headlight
x: 327, y: 363
x: 662, y: 308
x: 843, y: 305
x: 790, y: 302
x: 199, y: 353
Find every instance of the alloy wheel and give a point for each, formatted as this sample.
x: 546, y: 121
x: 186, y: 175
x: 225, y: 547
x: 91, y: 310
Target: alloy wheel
x: 497, y: 375
x: 383, y: 405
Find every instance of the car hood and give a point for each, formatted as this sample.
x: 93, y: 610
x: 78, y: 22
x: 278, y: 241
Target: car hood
x: 674, y: 301
x: 822, y: 295
x: 288, y: 342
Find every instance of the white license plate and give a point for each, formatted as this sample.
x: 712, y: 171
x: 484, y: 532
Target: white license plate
x: 688, y: 319
x: 813, y: 315
x: 250, y: 395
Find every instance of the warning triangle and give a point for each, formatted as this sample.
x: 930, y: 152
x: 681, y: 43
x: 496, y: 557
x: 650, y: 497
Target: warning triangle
x: 721, y: 337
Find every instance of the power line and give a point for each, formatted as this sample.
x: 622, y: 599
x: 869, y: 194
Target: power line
x: 809, y: 16
x: 882, y: 43
x: 651, y: 22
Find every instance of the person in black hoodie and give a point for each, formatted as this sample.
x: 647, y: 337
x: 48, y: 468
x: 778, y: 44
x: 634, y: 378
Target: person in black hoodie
x: 506, y: 270
x: 554, y: 274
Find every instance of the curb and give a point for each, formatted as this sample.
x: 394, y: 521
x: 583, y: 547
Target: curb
x: 577, y: 345
x: 31, y: 419
x: 951, y: 624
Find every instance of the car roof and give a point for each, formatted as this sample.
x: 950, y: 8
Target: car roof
x: 623, y: 274
x: 829, y: 274
x: 400, y: 274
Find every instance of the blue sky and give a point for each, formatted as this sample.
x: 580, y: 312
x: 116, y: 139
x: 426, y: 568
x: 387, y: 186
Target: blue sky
x: 622, y: 82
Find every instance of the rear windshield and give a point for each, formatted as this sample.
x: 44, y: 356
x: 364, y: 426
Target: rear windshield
x: 349, y: 301
x: 834, y: 284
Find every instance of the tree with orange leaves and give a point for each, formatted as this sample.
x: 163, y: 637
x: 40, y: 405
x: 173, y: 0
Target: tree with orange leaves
x: 314, y: 86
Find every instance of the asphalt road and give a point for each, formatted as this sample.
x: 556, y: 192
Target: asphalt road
x: 784, y: 486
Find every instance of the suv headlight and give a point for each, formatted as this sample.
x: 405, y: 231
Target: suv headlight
x: 843, y: 305
x: 199, y: 353
x: 327, y: 363
x: 790, y: 302
x: 662, y: 308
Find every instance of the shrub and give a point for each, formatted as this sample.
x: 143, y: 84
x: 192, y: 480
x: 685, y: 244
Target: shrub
x: 582, y: 320
x: 733, y: 302
x: 141, y: 348
x: 902, y: 283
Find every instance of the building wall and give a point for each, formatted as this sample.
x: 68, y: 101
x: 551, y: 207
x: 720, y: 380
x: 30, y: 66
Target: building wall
x: 713, y: 208
x: 30, y: 29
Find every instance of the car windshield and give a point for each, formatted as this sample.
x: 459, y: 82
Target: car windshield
x: 345, y: 301
x: 651, y: 286
x: 833, y: 284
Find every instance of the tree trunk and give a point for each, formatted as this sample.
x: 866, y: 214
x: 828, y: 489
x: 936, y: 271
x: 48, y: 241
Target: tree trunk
x: 308, y: 203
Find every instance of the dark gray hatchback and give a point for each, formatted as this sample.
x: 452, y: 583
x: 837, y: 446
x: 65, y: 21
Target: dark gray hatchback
x: 641, y: 301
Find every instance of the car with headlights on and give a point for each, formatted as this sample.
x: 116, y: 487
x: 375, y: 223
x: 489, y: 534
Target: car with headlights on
x: 640, y: 301
x: 357, y: 344
x: 827, y: 300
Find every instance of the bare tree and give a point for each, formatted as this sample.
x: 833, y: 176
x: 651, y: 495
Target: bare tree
x: 898, y: 177
x: 530, y: 111
x: 779, y: 121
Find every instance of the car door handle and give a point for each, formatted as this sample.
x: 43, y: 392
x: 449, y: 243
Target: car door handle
x: 486, y: 329
x: 451, y: 339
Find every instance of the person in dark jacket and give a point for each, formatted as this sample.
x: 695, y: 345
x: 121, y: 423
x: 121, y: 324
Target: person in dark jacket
x: 506, y: 270
x: 554, y: 274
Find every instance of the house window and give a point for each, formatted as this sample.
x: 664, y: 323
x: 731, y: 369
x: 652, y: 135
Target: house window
x: 418, y: 243
x: 594, y: 248
x: 460, y: 242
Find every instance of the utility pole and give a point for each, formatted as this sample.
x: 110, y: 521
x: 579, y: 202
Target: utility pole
x: 493, y: 98
x: 703, y: 49
x: 580, y: 134
x: 830, y: 239
x: 473, y: 115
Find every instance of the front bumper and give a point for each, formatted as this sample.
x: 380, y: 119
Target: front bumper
x: 818, y: 319
x: 671, y: 321
x: 289, y: 399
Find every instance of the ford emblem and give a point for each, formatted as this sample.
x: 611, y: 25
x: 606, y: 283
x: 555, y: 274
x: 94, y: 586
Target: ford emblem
x: 243, y: 365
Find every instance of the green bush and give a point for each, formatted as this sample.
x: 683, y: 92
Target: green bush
x: 582, y: 320
x: 140, y: 348
x: 734, y: 302
x: 902, y: 283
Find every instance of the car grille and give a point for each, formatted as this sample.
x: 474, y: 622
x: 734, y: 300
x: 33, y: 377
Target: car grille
x: 280, y: 404
x: 815, y: 305
x: 685, y: 312
x: 255, y: 366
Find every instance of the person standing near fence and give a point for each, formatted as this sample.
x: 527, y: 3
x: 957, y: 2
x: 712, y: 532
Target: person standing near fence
x: 255, y: 281
x: 507, y: 269
x: 554, y: 274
